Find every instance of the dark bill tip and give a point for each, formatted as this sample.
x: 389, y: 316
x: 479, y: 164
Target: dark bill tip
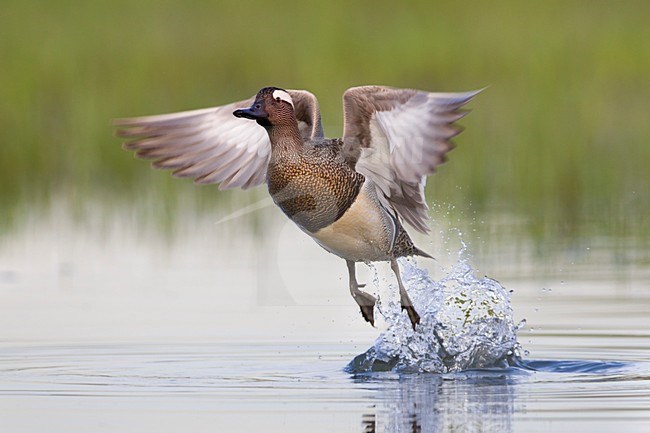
x: 245, y: 113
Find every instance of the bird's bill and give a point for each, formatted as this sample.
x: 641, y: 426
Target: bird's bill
x: 255, y: 112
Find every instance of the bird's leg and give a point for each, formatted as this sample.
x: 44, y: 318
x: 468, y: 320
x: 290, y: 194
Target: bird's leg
x: 366, y: 301
x: 404, y: 297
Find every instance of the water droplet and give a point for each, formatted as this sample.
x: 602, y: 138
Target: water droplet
x: 521, y: 324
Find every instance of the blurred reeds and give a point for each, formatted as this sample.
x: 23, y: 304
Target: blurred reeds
x: 561, y: 138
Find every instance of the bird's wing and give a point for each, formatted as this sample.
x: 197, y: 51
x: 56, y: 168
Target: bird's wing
x: 211, y: 145
x: 307, y: 113
x: 397, y: 137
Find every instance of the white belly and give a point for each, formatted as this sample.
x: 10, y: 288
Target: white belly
x: 363, y: 233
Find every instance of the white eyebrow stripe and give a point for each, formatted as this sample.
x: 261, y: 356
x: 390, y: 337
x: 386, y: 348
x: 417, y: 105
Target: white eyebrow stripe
x: 283, y: 95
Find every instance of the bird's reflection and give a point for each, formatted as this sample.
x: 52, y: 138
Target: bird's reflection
x: 479, y: 401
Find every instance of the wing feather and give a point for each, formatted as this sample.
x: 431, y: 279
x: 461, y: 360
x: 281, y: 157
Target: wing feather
x: 307, y: 112
x: 210, y: 144
x: 397, y: 137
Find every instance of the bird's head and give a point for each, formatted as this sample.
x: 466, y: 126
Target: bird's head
x: 272, y: 106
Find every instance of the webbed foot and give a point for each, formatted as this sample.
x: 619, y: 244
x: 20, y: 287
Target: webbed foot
x: 414, y: 317
x: 366, y: 305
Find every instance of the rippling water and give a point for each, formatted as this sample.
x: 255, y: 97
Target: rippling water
x: 129, y: 332
x: 288, y: 387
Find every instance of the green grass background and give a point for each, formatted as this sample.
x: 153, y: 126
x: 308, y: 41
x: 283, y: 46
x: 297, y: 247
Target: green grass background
x: 560, y: 139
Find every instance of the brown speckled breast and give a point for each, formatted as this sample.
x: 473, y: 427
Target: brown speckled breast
x: 313, y: 187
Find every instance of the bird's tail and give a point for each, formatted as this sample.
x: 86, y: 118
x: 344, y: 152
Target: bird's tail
x: 419, y: 252
x: 404, y: 246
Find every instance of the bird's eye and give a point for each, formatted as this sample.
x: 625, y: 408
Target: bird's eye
x: 258, y: 106
x: 278, y: 99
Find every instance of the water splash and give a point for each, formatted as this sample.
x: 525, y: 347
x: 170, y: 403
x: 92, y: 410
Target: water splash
x: 466, y: 323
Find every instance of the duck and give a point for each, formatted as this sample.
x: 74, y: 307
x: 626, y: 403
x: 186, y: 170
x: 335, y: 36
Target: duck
x: 352, y: 195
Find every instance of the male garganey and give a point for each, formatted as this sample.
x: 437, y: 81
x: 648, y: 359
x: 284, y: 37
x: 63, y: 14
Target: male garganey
x: 349, y: 194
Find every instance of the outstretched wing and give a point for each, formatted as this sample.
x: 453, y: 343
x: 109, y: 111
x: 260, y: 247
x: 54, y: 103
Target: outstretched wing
x: 397, y: 137
x: 307, y: 113
x: 211, y: 145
